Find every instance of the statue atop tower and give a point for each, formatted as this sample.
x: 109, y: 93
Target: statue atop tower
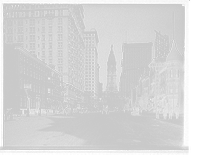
x: 111, y: 72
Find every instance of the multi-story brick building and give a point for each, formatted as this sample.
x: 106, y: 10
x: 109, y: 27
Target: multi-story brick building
x: 30, y: 85
x: 54, y: 34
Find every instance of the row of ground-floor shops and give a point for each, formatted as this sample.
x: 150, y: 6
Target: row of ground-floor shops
x: 37, y: 104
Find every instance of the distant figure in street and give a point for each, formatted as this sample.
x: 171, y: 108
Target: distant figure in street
x: 11, y: 112
x: 165, y: 110
x: 140, y: 108
x: 170, y: 112
x: 65, y: 111
x: 177, y: 111
x: 27, y: 114
x: 157, y: 112
x: 39, y: 111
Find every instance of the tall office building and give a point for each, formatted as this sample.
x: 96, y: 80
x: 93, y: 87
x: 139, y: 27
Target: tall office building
x: 136, y: 57
x: 51, y: 32
x: 91, y: 66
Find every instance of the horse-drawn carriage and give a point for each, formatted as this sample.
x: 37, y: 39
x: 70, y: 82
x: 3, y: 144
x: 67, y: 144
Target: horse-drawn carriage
x: 105, y: 109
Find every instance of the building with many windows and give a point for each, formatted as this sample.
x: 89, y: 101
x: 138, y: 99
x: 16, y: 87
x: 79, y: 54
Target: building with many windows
x: 136, y: 58
x: 30, y: 85
x: 91, y: 66
x: 53, y: 33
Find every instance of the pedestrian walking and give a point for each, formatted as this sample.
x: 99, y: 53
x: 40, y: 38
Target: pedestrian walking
x: 165, y: 111
x: 60, y: 110
x: 11, y: 113
x: 177, y: 111
x: 157, y: 112
x: 65, y: 111
x: 27, y: 113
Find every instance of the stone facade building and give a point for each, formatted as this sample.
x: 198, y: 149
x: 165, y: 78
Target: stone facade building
x: 30, y: 85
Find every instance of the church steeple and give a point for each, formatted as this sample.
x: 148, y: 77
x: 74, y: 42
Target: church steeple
x: 174, y: 54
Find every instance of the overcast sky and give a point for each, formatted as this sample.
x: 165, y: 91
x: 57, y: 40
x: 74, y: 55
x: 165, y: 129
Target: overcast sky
x: 113, y: 22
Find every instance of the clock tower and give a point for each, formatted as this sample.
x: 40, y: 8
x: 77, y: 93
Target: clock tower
x: 111, y: 72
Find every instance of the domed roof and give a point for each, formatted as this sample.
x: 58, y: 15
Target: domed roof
x: 174, y: 54
x: 111, y: 58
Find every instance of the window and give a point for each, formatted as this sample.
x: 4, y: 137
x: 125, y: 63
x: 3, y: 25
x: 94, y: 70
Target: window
x: 33, y: 87
x: 43, y: 37
x: 32, y: 46
x: 60, y: 53
x: 9, y: 22
x: 60, y: 37
x: 43, y: 29
x: 21, y: 101
x: 20, y: 83
x: 36, y: 88
x: 20, y: 68
x: 43, y: 45
x: 60, y: 29
x: 170, y: 90
x: 50, y: 37
x: 32, y: 22
x: 50, y: 45
x: 33, y: 74
x: 60, y: 21
x: 43, y: 20
x: 27, y: 71
x: 32, y: 38
x: 49, y: 90
x: 32, y: 30
x: 178, y: 73
x: 50, y: 29
x: 20, y: 38
x: 24, y: 83
x: 60, y: 45
x: 176, y: 90
x: 171, y: 73
x: 20, y: 30
x: 24, y: 69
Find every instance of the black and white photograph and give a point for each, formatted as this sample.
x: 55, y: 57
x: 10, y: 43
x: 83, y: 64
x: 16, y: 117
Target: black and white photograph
x: 94, y: 76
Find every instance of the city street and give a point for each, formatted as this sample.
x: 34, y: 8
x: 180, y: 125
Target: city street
x: 93, y: 131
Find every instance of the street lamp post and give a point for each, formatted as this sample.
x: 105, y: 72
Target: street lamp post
x: 27, y: 87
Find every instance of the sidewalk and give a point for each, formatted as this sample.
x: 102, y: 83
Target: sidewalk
x: 15, y: 117
x: 179, y: 121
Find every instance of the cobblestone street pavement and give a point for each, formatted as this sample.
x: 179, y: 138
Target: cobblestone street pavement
x: 93, y: 131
